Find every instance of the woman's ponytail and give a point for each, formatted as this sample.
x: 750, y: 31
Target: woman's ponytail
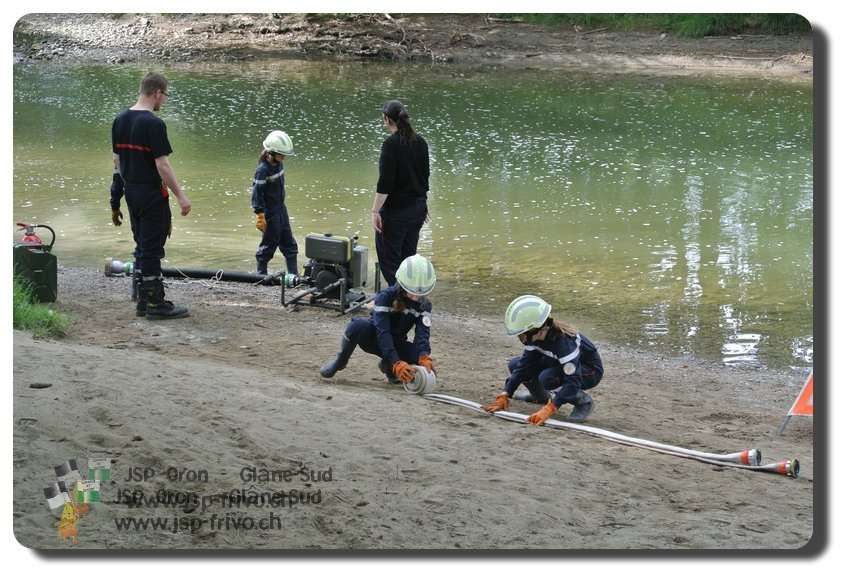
x: 396, y: 112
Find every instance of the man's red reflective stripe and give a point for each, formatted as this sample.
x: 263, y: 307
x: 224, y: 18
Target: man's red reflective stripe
x: 130, y: 146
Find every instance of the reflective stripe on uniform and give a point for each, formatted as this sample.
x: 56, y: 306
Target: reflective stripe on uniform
x: 407, y: 310
x: 563, y: 359
x: 269, y: 179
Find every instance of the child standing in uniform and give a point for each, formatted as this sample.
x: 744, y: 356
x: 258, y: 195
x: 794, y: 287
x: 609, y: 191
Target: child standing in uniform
x: 268, y: 196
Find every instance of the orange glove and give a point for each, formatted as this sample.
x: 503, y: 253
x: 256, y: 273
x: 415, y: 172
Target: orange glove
x: 260, y: 224
x: 404, y: 371
x: 541, y: 415
x: 116, y: 217
x: 427, y: 363
x: 501, y: 402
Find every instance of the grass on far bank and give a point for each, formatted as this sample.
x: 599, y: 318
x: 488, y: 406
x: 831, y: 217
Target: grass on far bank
x: 34, y: 317
x: 683, y: 25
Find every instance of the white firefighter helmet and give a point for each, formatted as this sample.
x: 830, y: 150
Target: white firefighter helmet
x: 416, y: 275
x: 279, y: 142
x: 525, y: 313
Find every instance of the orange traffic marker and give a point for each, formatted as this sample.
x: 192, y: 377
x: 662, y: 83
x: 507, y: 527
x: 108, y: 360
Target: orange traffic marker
x: 803, y: 405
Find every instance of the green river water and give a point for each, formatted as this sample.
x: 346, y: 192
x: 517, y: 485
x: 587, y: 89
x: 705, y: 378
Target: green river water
x: 670, y: 214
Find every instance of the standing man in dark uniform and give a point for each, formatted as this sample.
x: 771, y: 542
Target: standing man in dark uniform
x: 400, y: 205
x: 141, y: 149
x: 117, y: 193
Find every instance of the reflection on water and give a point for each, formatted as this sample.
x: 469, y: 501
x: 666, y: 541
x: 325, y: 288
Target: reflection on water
x: 670, y: 214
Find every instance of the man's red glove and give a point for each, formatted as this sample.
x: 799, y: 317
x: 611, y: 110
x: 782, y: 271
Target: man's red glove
x: 541, y: 415
x: 501, y: 402
x: 404, y: 371
x: 427, y: 363
x: 260, y: 222
x: 116, y: 217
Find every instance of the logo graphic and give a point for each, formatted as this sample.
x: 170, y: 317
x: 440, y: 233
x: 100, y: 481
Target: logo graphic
x: 67, y: 526
x: 75, y: 495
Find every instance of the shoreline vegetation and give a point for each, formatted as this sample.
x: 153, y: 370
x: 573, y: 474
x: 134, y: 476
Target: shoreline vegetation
x: 774, y: 46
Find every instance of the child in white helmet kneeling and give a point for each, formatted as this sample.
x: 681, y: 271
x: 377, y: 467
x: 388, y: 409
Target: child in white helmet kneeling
x: 398, y: 309
x: 557, y: 365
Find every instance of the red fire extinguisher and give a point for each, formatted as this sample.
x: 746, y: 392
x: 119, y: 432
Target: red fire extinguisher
x: 29, y: 236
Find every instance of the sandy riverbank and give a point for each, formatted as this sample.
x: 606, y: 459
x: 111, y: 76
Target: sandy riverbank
x: 236, y: 386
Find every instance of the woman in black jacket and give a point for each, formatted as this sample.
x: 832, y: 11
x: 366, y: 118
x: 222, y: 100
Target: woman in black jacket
x: 400, y: 205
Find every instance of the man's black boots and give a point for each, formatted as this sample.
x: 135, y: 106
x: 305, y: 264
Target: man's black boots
x: 341, y: 360
x: 138, y: 292
x: 582, y: 408
x: 156, y: 307
x: 263, y: 267
x: 140, y: 308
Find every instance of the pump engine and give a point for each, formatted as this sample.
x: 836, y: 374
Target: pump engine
x: 333, y: 258
x: 336, y: 265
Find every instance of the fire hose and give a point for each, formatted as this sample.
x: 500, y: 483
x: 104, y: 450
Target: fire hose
x: 747, y: 459
x: 115, y: 267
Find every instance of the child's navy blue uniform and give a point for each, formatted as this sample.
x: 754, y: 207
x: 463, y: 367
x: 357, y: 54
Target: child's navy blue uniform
x: 268, y: 196
x: 384, y: 333
x: 561, y: 363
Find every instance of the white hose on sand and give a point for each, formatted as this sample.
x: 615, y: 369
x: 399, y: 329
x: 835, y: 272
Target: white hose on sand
x: 747, y: 459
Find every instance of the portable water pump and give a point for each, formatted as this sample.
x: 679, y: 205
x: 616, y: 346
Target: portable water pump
x: 333, y: 258
x: 336, y: 265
